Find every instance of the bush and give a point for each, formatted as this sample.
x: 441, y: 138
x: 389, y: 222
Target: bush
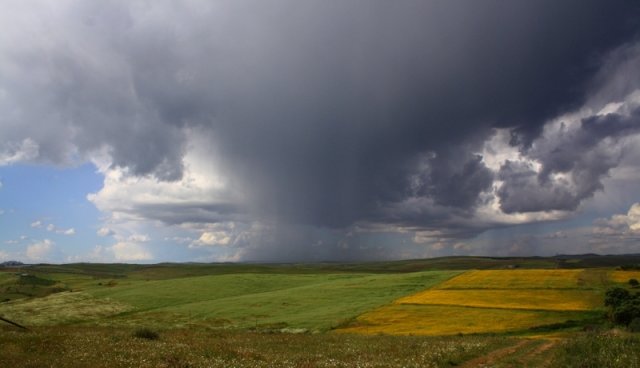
x: 626, y: 313
x: 146, y: 333
x: 634, y: 326
x: 624, y: 306
x: 614, y: 297
x: 634, y: 283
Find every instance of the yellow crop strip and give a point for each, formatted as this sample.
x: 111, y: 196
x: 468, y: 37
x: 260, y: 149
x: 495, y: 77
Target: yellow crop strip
x: 486, y: 301
x: 514, y: 279
x: 624, y: 276
x: 561, y: 300
x: 447, y: 320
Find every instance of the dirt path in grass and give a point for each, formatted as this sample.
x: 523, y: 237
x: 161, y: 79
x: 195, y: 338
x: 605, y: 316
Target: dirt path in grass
x: 524, y: 353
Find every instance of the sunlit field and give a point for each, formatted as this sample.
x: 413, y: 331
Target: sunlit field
x: 519, y: 279
x: 624, y: 276
x: 490, y: 301
x: 431, y: 320
x: 562, y: 300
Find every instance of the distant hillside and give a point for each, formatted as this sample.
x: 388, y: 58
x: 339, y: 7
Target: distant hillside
x: 11, y: 264
x: 172, y: 270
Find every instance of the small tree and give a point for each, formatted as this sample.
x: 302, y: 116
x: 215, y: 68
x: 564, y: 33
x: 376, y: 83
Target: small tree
x: 634, y: 283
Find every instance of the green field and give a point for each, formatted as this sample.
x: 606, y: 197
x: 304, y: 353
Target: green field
x: 469, y: 308
x: 239, y: 300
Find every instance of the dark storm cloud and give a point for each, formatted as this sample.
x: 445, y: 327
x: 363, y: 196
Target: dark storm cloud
x: 327, y: 113
x: 583, y: 156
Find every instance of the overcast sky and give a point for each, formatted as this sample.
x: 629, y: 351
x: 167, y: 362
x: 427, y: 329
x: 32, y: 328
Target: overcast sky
x: 288, y: 130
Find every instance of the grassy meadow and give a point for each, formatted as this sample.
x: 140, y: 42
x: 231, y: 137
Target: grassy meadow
x: 321, y: 315
x: 314, y: 302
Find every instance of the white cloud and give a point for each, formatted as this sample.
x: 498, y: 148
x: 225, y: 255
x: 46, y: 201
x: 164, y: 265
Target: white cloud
x: 620, y: 225
x: 427, y: 236
x: 119, y: 252
x: 70, y: 231
x: 54, y: 229
x: 98, y: 254
x: 203, y: 194
x: 179, y: 239
x: 139, y: 238
x: 125, y: 251
x: 220, y: 234
x: 617, y: 234
x: 211, y: 238
x: 129, y: 246
x: 105, y: 231
x: 13, y: 152
x: 36, y: 224
x: 39, y: 250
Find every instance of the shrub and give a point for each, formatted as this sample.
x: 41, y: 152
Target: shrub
x: 625, y: 313
x: 624, y: 306
x: 634, y: 283
x: 634, y: 326
x: 614, y: 297
x: 146, y: 333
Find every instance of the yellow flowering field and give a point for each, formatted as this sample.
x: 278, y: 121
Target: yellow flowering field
x: 561, y: 300
x: 515, y: 279
x: 624, y: 276
x: 487, y: 301
x: 434, y: 320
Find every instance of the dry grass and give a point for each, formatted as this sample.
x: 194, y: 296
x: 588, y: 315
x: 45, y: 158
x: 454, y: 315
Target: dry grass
x: 448, y: 320
x: 562, y: 300
x: 66, y: 307
x: 514, y: 279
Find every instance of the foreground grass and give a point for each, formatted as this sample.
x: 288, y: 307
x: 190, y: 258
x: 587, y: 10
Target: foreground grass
x: 600, y: 350
x: 106, y: 347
